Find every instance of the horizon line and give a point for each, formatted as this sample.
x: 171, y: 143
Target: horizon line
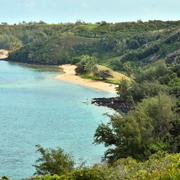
x: 86, y: 22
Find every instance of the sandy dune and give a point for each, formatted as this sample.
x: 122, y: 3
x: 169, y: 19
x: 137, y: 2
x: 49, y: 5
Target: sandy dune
x: 70, y: 76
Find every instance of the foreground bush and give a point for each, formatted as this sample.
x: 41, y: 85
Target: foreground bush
x: 160, y: 166
x: 157, y: 167
x: 53, y: 161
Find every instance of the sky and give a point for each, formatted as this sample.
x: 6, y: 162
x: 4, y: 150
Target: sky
x: 57, y: 11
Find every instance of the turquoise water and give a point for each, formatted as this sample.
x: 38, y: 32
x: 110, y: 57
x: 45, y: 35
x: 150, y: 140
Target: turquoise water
x: 37, y: 109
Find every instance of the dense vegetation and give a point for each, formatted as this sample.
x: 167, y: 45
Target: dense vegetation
x: 144, y: 142
x: 159, y: 166
x: 122, y: 46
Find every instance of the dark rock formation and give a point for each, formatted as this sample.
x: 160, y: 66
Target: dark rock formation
x: 114, y: 103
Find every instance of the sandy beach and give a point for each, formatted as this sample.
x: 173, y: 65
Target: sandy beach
x: 3, y: 54
x: 70, y: 76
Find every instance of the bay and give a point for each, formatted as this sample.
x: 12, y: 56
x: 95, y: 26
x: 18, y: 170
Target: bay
x: 37, y: 109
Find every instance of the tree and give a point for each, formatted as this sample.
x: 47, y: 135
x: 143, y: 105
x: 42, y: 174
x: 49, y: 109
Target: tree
x: 87, y: 64
x: 141, y: 132
x: 153, y: 72
x: 123, y: 89
x: 53, y: 161
x: 9, y: 42
x: 103, y: 74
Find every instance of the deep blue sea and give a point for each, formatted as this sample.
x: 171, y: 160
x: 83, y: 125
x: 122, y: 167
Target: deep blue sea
x: 37, y: 109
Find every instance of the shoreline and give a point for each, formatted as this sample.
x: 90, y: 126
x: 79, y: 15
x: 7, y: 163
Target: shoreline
x: 3, y: 54
x: 70, y: 76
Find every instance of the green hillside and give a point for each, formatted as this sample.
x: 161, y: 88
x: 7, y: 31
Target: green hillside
x: 121, y: 46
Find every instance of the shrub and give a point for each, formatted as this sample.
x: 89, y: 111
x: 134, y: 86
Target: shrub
x: 53, y: 161
x: 103, y: 74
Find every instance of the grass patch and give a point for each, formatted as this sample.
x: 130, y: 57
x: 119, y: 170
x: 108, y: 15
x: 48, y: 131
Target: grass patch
x: 116, y: 76
x: 115, y: 79
x: 88, y: 27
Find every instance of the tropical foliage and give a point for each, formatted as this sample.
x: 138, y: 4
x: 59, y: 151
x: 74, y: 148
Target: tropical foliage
x: 159, y: 166
x: 149, y: 53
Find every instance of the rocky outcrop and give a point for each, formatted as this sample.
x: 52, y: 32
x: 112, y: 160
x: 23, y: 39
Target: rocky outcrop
x: 114, y: 103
